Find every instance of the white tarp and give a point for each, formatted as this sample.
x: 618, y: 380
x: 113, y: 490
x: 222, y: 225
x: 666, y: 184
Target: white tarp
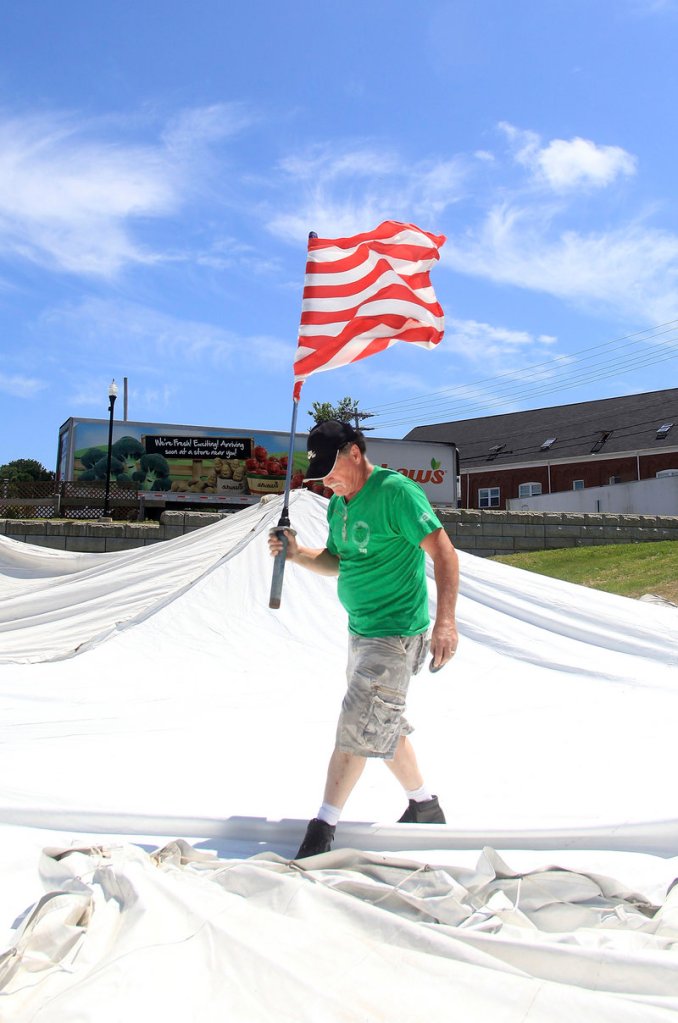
x: 191, y: 710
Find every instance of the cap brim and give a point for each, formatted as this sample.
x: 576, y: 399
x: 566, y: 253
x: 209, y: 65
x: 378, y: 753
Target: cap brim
x: 319, y: 468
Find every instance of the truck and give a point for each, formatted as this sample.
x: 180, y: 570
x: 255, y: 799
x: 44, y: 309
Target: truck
x: 179, y: 466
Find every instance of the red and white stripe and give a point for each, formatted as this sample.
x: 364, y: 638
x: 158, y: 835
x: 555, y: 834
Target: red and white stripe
x: 363, y: 294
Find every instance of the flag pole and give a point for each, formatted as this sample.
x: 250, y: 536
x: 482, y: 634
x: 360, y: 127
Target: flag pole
x: 284, y: 520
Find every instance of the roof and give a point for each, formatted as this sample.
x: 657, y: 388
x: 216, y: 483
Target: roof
x: 608, y: 426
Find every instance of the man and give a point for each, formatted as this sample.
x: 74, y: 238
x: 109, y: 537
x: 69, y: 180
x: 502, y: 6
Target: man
x: 381, y: 526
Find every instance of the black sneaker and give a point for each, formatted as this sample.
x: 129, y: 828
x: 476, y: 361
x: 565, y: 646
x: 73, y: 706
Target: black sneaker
x: 426, y: 812
x: 318, y: 839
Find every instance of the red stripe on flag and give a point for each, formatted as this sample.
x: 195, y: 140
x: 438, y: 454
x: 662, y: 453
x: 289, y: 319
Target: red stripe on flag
x: 368, y: 318
x: 390, y: 293
x: 388, y: 229
x: 331, y: 289
x: 326, y: 348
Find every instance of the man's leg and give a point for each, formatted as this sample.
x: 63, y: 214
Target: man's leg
x: 343, y: 772
x: 404, y: 765
x: 422, y: 807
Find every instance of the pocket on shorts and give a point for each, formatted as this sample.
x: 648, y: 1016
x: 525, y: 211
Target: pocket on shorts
x: 382, y: 724
x: 416, y: 648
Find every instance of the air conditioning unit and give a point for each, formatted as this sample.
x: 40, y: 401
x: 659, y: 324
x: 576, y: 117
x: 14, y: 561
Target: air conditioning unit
x: 665, y: 473
x: 615, y: 479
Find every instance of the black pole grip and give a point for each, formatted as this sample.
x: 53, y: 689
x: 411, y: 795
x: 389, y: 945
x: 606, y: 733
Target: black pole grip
x: 278, y: 573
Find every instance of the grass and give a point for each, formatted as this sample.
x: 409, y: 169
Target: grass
x: 629, y: 570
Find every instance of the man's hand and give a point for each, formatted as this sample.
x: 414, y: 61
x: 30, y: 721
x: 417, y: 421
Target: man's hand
x: 444, y: 640
x: 444, y: 636
x: 318, y: 560
x: 275, y: 543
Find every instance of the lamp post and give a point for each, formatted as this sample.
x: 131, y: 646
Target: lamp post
x: 112, y: 395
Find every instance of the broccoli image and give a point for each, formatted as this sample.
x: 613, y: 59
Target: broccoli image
x: 162, y: 483
x: 89, y: 459
x: 153, y: 473
x: 98, y: 470
x: 128, y: 450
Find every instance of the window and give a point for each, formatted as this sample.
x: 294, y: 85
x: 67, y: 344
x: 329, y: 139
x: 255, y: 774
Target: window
x: 577, y: 484
x: 663, y: 431
x: 529, y: 490
x: 488, y: 497
x: 494, y: 451
x: 548, y: 443
x: 603, y: 437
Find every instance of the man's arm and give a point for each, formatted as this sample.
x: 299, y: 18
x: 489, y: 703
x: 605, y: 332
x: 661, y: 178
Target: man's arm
x: 444, y: 636
x: 318, y: 560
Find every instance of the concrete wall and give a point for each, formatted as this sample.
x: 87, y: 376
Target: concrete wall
x: 502, y: 532
x: 100, y: 538
x: 484, y: 533
x: 641, y: 497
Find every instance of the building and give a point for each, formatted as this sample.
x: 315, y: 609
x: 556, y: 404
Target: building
x: 562, y: 448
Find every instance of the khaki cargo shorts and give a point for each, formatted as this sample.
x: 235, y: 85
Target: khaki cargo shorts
x: 378, y: 675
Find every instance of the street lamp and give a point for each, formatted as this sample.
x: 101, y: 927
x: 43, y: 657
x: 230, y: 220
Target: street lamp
x: 112, y: 395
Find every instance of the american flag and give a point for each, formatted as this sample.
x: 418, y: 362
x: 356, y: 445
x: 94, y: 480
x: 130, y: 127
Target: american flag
x: 363, y: 294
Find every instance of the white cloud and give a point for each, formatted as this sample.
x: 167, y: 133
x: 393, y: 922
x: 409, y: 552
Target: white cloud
x: 341, y: 192
x: 481, y: 341
x: 650, y: 7
x: 534, y: 241
x: 632, y: 268
x: 579, y: 161
x: 564, y: 165
x: 65, y: 201
x: 90, y: 393
x: 199, y: 126
x: 20, y: 386
x: 327, y: 162
x: 72, y: 197
x: 161, y: 345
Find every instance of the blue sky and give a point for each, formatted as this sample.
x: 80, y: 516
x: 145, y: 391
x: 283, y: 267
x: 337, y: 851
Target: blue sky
x: 161, y: 164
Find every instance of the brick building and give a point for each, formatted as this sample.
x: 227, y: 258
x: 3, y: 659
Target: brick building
x: 564, y: 447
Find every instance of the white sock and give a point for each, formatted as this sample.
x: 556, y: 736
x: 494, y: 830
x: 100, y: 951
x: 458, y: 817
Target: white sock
x: 330, y: 814
x: 420, y: 795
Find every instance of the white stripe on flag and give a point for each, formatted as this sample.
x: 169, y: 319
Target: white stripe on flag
x: 412, y: 310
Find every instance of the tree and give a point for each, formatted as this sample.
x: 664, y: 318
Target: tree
x: 24, y: 470
x: 346, y: 411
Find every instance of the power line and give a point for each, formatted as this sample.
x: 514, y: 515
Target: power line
x: 629, y: 339
x: 538, y: 391
x: 577, y: 374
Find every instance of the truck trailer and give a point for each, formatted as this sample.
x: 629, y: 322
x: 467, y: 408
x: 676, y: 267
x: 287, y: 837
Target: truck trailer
x: 179, y: 466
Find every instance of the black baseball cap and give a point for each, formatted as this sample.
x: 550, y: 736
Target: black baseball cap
x: 325, y: 441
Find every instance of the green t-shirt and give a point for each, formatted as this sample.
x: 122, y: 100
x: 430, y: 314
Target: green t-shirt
x: 382, y: 573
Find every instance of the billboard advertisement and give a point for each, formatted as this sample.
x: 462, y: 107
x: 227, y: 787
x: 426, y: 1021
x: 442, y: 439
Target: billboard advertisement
x: 214, y: 465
